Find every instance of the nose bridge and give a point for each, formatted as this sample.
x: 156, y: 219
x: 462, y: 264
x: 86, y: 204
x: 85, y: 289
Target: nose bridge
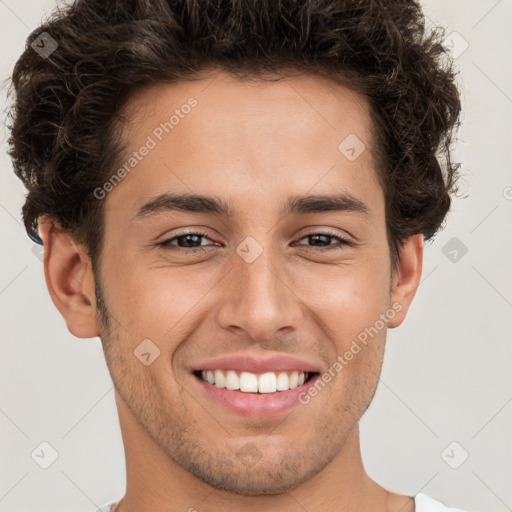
x: 259, y: 300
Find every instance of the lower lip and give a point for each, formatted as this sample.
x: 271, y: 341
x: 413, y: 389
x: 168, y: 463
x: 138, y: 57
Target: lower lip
x: 256, y: 405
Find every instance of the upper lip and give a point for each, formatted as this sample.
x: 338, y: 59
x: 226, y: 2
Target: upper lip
x: 258, y: 364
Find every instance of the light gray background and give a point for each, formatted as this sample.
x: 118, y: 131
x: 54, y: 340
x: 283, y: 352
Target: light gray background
x: 446, y: 373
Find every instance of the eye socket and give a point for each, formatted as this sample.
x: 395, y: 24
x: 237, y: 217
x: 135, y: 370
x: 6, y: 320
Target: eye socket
x: 316, y: 236
x: 168, y: 243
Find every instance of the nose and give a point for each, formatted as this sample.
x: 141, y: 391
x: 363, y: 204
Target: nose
x: 259, y: 298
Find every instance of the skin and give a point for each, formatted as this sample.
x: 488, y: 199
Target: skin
x: 253, y: 144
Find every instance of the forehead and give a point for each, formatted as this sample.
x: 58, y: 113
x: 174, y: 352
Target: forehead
x: 218, y: 133
x: 311, y: 100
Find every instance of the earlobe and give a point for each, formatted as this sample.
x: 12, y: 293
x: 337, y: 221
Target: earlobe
x: 406, y: 278
x: 69, y: 279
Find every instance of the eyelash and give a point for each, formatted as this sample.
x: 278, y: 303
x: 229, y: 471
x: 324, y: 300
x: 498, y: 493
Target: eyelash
x: 167, y: 243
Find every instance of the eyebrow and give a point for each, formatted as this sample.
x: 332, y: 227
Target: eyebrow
x: 298, y: 205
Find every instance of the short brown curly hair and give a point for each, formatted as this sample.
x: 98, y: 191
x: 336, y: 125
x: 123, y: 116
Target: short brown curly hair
x: 67, y: 106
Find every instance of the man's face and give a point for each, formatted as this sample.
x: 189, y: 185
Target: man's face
x: 264, y: 284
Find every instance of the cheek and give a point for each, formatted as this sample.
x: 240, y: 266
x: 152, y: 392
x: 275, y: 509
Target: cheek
x: 348, y: 305
x: 160, y: 303
x: 347, y: 299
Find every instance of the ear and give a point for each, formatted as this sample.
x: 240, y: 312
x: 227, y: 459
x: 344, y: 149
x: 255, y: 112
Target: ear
x: 69, y: 278
x: 406, y: 278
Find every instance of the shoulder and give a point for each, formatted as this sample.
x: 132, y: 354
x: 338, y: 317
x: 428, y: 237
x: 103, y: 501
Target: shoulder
x: 425, y: 503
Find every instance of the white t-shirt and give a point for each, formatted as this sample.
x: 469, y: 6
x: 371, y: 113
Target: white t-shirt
x: 423, y: 503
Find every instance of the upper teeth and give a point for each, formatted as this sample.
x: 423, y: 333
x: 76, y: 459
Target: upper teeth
x: 248, y: 382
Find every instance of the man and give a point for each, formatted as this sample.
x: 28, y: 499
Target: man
x: 234, y: 197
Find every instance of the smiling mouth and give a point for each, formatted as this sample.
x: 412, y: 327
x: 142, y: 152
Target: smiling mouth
x: 256, y: 383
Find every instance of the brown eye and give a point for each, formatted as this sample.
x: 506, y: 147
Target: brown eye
x: 188, y: 242
x: 189, y: 238
x: 322, y: 241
